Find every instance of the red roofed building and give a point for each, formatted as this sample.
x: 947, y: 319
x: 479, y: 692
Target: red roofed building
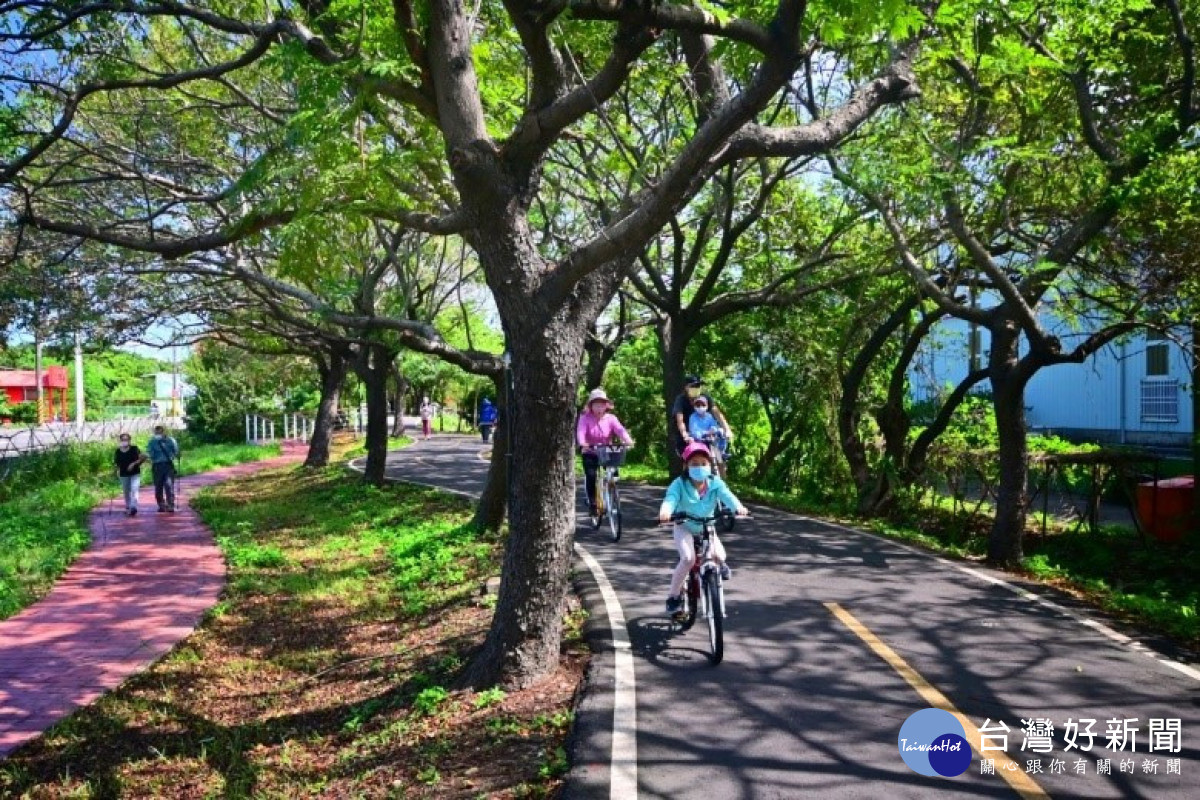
x: 20, y: 386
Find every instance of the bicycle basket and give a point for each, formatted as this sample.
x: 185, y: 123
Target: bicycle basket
x: 610, y: 456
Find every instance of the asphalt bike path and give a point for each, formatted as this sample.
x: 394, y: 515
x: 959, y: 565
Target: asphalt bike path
x: 833, y: 638
x: 143, y: 584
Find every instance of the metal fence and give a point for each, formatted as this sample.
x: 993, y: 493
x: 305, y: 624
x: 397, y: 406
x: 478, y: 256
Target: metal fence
x: 261, y: 429
x: 19, y: 441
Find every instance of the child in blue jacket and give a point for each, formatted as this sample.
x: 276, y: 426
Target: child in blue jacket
x: 704, y: 427
x: 695, y: 493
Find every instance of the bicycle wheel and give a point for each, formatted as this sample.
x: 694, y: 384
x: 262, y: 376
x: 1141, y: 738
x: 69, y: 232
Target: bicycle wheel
x: 691, y: 590
x: 716, y: 625
x: 612, y: 502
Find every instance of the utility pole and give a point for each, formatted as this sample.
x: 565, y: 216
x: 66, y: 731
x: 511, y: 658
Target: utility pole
x: 37, y: 371
x: 78, y: 383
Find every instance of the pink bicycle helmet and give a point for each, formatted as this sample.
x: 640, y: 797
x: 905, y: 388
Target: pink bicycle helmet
x: 693, y: 448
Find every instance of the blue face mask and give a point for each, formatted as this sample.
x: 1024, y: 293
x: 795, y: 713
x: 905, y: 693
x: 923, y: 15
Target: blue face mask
x: 699, y: 473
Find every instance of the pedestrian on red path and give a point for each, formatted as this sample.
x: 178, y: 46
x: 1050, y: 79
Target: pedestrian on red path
x: 163, y: 451
x: 128, y: 461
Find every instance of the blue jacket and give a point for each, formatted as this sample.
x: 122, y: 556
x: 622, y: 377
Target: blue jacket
x: 162, y: 451
x: 699, y: 425
x: 487, y: 413
x: 683, y: 496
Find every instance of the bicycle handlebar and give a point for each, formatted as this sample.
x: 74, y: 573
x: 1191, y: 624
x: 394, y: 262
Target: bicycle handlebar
x: 683, y: 516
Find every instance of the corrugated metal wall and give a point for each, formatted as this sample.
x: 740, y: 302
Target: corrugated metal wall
x: 1079, y: 398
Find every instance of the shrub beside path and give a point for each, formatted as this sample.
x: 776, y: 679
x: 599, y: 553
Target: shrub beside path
x: 143, y: 584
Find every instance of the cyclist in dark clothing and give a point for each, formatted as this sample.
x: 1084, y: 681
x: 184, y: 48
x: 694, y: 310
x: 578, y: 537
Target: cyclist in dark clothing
x: 681, y: 410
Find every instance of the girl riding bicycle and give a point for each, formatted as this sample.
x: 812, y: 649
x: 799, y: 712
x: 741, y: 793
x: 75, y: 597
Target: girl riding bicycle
x: 597, y: 426
x: 704, y: 427
x: 696, y: 493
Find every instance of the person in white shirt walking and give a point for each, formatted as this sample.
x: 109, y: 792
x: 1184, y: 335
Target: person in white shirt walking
x: 428, y: 410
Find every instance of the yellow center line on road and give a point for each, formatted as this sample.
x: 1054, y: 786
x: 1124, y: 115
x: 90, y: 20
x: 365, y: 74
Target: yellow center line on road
x: 1006, y: 767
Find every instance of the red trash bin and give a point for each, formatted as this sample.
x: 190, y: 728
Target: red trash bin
x: 1166, y: 509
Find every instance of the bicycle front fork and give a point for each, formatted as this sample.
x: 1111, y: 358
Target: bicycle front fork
x: 712, y: 574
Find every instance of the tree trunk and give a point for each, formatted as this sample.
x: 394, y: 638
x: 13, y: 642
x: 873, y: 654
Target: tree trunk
x: 1008, y: 401
x: 489, y: 512
x: 918, y: 453
x: 333, y: 375
x: 853, y: 448
x: 874, y: 488
x: 523, y: 642
x: 780, y: 441
x: 672, y: 347
x: 598, y: 356
x: 372, y: 369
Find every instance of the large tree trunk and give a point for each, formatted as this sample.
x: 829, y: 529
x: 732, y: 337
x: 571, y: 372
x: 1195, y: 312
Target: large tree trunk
x: 523, y: 642
x: 1008, y: 401
x: 489, y: 512
x: 372, y: 369
x: 333, y: 375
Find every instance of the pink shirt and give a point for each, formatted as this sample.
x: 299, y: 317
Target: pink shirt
x: 593, y: 430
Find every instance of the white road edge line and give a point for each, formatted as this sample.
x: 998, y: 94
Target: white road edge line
x: 1099, y: 627
x: 623, y: 782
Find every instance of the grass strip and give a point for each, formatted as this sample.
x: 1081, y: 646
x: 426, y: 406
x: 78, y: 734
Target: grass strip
x: 328, y: 667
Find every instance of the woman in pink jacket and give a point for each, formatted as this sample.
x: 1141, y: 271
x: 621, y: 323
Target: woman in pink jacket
x: 597, y: 425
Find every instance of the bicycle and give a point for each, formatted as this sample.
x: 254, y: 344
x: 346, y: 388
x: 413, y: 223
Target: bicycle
x: 718, y: 445
x: 703, y: 591
x: 608, y: 499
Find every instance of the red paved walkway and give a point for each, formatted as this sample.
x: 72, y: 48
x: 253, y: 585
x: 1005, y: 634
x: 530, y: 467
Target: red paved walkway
x: 142, y: 585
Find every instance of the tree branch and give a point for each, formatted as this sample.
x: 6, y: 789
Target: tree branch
x: 542, y: 126
x: 894, y: 85
x: 169, y: 248
x: 549, y: 75
x: 701, y: 155
x: 666, y: 16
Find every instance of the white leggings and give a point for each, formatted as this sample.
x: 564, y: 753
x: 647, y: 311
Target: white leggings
x: 687, y: 556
